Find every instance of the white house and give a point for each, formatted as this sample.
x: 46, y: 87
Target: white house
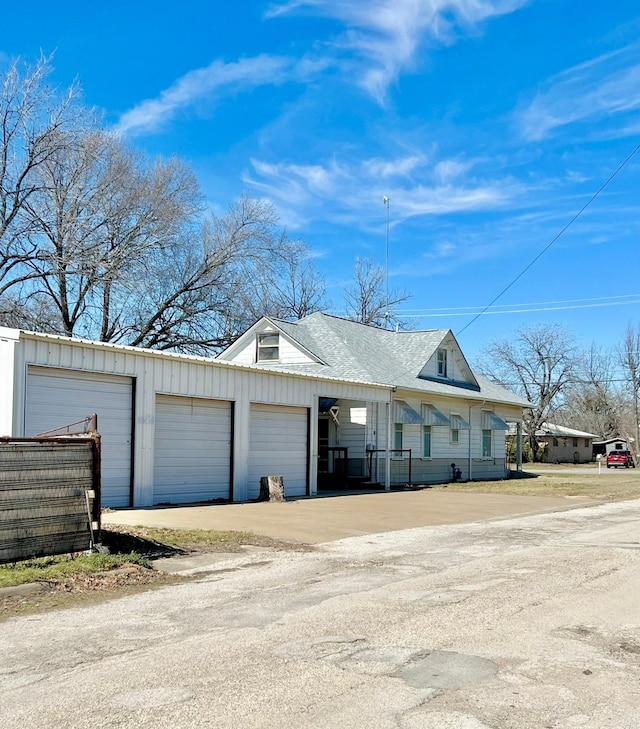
x: 440, y: 411
x: 296, y: 400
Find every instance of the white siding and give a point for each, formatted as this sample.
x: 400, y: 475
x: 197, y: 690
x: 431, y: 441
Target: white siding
x: 278, y: 447
x: 57, y: 397
x: 352, y: 431
x: 247, y: 353
x: 290, y: 354
x: 192, y: 450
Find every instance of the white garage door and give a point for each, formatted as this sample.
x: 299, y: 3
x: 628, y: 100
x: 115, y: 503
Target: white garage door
x: 278, y: 447
x: 192, y: 450
x: 59, y: 397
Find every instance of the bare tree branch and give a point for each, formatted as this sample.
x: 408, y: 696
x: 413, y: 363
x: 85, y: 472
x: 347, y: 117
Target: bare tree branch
x: 366, y: 300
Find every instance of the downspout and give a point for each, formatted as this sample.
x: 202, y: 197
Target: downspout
x: 376, y: 444
x: 387, y: 475
x: 470, y: 469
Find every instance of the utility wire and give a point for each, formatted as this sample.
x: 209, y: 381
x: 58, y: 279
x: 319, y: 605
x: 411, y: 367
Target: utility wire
x: 444, y: 310
x: 553, y: 240
x: 522, y: 311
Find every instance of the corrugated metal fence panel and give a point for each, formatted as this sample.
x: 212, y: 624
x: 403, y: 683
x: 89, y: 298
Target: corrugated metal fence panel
x: 56, y: 397
x: 192, y: 450
x: 43, y: 501
x: 278, y: 447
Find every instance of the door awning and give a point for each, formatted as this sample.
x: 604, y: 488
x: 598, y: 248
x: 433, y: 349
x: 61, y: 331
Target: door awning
x: 432, y: 416
x: 490, y: 421
x: 403, y: 413
x: 326, y: 403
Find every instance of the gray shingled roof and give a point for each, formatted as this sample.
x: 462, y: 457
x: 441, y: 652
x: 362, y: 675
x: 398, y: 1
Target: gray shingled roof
x: 358, y: 352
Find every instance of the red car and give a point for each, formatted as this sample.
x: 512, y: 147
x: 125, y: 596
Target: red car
x: 620, y: 458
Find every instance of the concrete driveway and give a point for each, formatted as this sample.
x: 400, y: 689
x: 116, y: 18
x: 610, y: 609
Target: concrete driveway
x: 326, y: 519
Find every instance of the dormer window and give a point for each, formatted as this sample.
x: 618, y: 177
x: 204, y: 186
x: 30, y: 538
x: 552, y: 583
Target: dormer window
x: 268, y: 347
x: 441, y: 367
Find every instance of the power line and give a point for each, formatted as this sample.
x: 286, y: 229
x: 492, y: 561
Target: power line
x: 436, y: 311
x: 520, y: 311
x: 553, y: 240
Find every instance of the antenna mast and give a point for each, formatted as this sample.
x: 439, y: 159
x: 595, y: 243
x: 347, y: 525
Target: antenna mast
x: 385, y: 200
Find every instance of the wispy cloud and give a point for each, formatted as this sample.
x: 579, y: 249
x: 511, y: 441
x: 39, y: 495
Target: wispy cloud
x: 401, y: 167
x: 344, y: 191
x: 607, y: 87
x: 204, y: 83
x: 387, y: 35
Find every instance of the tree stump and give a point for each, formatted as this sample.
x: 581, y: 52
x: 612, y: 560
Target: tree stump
x: 271, y: 488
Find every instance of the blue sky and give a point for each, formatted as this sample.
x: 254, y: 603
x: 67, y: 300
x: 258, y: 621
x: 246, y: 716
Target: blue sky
x: 487, y: 123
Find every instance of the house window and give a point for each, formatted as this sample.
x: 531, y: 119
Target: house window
x: 486, y: 443
x: 442, y: 363
x: 586, y: 442
x: 268, y: 347
x: 426, y: 441
x: 575, y: 442
x: 397, y: 438
x: 555, y: 442
x: 455, y: 435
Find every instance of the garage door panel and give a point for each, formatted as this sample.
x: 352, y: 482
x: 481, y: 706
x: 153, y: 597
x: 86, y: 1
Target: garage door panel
x: 193, y: 449
x: 278, y: 447
x: 59, y: 397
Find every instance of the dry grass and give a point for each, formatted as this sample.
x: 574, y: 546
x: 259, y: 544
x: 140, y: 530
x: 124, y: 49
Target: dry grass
x: 568, y: 481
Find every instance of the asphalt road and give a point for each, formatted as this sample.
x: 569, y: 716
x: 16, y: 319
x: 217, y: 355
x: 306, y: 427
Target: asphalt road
x: 523, y: 622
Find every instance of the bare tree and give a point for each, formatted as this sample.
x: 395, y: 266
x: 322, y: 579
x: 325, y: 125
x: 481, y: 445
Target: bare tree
x: 290, y: 289
x: 629, y: 360
x: 367, y: 301
x: 539, y: 363
x: 32, y: 119
x: 593, y: 401
x: 101, y: 210
x: 200, y: 294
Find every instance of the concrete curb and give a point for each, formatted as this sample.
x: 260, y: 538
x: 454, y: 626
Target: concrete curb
x: 28, y: 588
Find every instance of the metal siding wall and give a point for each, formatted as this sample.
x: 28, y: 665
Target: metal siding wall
x: 278, y: 447
x: 59, y: 397
x: 7, y: 375
x: 166, y: 374
x: 192, y: 449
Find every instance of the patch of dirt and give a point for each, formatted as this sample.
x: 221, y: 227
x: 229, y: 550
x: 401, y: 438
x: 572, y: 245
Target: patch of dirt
x: 89, y: 588
x: 84, y: 589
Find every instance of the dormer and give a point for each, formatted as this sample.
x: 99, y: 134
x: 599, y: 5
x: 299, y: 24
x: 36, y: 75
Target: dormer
x: 267, y: 343
x: 448, y: 365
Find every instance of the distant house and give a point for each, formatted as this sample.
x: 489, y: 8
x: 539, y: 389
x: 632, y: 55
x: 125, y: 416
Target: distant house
x: 565, y: 445
x: 604, y: 447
